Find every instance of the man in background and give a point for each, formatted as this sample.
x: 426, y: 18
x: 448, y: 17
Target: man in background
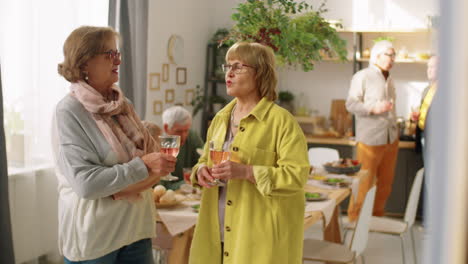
x: 178, y: 121
x: 371, y: 99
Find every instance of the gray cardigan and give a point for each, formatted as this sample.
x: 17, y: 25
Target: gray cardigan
x: 91, y: 224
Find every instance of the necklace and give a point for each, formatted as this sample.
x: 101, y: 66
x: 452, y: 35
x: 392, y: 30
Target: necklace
x: 232, y: 118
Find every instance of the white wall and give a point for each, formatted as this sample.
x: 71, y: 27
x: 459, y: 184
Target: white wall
x: 192, y: 20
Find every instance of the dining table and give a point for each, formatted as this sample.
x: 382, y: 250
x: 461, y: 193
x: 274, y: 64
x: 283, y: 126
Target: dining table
x: 179, y: 221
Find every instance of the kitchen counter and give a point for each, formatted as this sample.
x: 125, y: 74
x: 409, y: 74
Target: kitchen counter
x: 349, y: 142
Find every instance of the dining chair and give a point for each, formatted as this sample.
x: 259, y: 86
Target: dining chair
x: 397, y: 227
x: 320, y: 250
x: 319, y: 156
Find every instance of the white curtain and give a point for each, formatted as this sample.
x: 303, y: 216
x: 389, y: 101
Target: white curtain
x: 32, y: 35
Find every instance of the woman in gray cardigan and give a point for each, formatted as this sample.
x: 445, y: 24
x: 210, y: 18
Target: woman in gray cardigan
x: 106, y: 159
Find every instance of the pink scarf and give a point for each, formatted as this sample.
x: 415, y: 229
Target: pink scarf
x: 117, y: 121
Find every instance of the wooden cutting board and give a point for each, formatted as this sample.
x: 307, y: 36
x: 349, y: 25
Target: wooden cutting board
x: 339, y: 116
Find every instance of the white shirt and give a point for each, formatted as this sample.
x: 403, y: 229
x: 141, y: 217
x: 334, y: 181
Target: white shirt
x: 368, y: 86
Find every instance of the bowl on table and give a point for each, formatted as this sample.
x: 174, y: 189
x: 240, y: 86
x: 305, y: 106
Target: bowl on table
x: 343, y: 166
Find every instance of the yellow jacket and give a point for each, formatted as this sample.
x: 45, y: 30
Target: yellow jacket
x: 264, y: 223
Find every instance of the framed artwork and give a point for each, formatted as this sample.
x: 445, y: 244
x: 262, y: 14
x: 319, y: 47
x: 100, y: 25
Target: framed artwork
x: 170, y: 96
x: 157, y: 107
x: 181, y: 75
x: 189, y: 96
x: 165, y: 72
x: 155, y: 81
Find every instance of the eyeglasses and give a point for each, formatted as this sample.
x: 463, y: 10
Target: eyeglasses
x: 112, y: 54
x: 236, y: 67
x: 391, y: 55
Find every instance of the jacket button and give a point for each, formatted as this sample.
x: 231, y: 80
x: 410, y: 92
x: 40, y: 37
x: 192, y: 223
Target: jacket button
x: 228, y: 229
x: 229, y: 202
x: 242, y: 129
x: 235, y: 148
x: 226, y: 254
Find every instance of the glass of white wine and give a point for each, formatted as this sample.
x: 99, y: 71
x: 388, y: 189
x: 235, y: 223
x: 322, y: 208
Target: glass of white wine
x: 170, y: 144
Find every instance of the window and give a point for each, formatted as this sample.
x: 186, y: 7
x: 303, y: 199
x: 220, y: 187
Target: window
x: 33, y: 33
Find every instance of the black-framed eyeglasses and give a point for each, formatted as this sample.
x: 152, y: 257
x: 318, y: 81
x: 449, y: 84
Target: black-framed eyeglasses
x: 236, y: 67
x: 391, y: 55
x: 112, y: 54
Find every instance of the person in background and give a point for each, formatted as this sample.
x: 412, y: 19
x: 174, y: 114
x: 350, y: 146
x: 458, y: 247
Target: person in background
x: 422, y: 115
x: 178, y: 121
x: 371, y: 99
x: 258, y: 216
x: 106, y: 160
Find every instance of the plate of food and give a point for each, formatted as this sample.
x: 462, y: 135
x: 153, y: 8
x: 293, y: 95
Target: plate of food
x: 343, y: 166
x: 315, y: 196
x: 337, y: 182
x: 166, y: 198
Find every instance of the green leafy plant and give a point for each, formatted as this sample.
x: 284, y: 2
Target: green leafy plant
x: 285, y: 96
x: 391, y: 39
x: 297, y: 33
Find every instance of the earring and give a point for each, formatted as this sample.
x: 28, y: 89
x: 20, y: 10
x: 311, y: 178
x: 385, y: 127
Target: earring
x: 85, y: 75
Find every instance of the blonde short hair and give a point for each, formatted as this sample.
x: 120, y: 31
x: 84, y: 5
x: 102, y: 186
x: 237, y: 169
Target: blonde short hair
x: 81, y: 45
x: 262, y: 58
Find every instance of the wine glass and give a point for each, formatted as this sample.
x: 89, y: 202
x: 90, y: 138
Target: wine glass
x: 217, y: 156
x: 170, y: 145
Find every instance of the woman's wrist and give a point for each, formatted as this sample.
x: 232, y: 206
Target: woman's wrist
x: 249, y: 175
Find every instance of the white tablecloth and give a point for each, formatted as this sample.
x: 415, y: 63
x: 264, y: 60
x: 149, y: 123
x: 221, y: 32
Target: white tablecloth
x: 179, y: 218
x: 325, y: 207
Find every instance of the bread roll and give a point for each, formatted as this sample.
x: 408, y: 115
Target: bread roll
x: 159, y: 190
x: 168, y: 198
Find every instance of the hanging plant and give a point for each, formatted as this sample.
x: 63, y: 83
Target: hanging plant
x: 297, y: 33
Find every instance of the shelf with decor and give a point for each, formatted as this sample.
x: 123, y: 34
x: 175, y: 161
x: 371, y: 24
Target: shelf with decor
x: 214, y: 80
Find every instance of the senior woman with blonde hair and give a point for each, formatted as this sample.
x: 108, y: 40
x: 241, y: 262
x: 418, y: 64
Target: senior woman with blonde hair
x: 258, y: 215
x: 106, y: 159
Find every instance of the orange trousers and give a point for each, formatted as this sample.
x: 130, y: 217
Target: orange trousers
x: 380, y: 162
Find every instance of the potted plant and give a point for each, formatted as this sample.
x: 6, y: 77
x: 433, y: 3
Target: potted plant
x: 211, y: 102
x: 297, y: 33
x: 285, y: 100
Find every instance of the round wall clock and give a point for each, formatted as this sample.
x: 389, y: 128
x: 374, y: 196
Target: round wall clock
x: 175, y: 49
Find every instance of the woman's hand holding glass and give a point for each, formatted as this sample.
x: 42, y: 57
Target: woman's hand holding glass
x: 159, y: 164
x: 204, y: 177
x: 232, y: 170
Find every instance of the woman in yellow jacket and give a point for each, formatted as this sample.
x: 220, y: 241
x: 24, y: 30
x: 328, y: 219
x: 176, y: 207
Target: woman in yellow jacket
x: 258, y: 215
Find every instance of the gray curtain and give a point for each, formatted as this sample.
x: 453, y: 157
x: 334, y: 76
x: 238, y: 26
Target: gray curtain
x: 6, y: 243
x: 130, y: 19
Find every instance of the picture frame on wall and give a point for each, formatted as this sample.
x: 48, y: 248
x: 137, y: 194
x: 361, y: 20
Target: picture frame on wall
x: 181, y: 75
x: 157, y: 107
x: 170, y: 96
x: 165, y: 72
x: 154, y: 81
x: 189, y: 97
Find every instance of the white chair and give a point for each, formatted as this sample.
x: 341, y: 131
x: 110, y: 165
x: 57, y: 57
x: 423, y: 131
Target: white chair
x: 398, y: 227
x: 319, y: 156
x: 319, y: 250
